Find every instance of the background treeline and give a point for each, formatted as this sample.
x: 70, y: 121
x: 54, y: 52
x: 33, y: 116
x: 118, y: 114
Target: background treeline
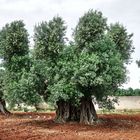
x: 127, y: 92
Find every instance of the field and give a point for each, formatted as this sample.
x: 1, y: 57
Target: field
x: 40, y: 126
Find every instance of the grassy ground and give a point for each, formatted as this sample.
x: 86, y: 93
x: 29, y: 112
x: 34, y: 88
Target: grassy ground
x: 124, y: 111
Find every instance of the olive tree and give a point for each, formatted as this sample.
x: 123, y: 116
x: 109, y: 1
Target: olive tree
x: 92, y: 66
x: 49, y: 38
x: 14, y: 52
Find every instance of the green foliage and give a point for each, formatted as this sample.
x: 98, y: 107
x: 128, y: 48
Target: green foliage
x: 49, y: 39
x: 123, y: 40
x: 49, y: 43
x: 97, y: 68
x: 92, y: 65
x: 100, y: 68
x: 19, y: 79
x: 90, y: 28
x: 127, y: 92
x: 14, y: 45
x: 25, y: 89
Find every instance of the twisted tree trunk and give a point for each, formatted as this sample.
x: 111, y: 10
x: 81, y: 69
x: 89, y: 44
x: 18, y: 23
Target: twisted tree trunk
x: 74, y: 113
x: 87, y: 111
x: 3, y: 109
x: 66, y: 111
x: 62, y: 112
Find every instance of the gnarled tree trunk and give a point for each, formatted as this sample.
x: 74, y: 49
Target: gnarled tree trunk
x: 3, y: 109
x: 74, y: 113
x: 87, y: 111
x: 66, y: 111
x: 62, y: 112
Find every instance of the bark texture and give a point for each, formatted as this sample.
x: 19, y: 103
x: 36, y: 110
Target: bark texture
x: 62, y: 112
x: 66, y: 112
x: 87, y: 112
x: 3, y: 109
x: 74, y: 113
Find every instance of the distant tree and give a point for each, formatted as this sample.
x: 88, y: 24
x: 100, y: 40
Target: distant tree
x: 127, y: 92
x: 138, y: 63
x: 14, y: 51
x: 137, y: 92
x: 13, y: 48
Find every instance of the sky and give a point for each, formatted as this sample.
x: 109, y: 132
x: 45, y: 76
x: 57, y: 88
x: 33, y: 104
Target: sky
x: 33, y: 12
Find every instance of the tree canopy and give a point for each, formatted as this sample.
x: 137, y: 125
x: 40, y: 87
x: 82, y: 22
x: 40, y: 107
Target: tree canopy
x: 14, y: 51
x: 123, y: 41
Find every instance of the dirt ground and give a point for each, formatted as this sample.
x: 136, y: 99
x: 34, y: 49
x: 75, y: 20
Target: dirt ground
x: 40, y: 126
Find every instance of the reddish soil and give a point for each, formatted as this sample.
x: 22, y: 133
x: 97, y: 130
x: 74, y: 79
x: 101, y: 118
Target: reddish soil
x: 40, y: 126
